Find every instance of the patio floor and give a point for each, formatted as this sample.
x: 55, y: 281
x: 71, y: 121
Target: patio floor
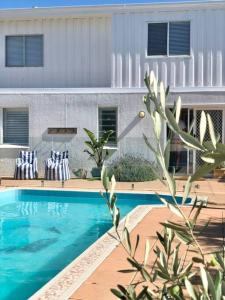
x: 106, y: 276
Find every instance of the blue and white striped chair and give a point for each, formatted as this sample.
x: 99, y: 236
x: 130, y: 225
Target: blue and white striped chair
x: 26, y: 165
x: 57, y: 166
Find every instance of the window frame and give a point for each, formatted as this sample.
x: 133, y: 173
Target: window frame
x: 24, y: 54
x: 168, y: 29
x: 108, y: 146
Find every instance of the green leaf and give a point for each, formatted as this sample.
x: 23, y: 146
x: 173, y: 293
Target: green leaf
x: 186, y: 271
x: 211, y: 131
x: 220, y: 260
x: 202, y: 127
x: 144, y: 295
x: 184, y: 237
x: 147, y: 102
x: 154, y: 83
x: 178, y: 110
x: 148, y: 144
x: 151, y: 78
x: 167, y: 90
x: 218, y: 285
x: 146, y: 275
x: 190, y: 289
x: 190, y: 141
x: 157, y: 124
x: 167, y: 154
x: 162, y: 96
x: 147, y: 251
x: 187, y: 190
x: 127, y: 271
x: 174, y: 226
x: 197, y: 213
x: 134, y: 264
x: 116, y: 217
x: 191, y: 126
x: 175, y: 263
x: 136, y: 244
x: 163, y: 275
x: 127, y: 239
x: 174, y: 209
x: 208, y: 160
x: 204, y: 279
x: 202, y: 171
x: 169, y: 179
x: 118, y: 294
x: 211, y: 286
x: 171, y: 120
x: 91, y: 135
x: 113, y: 186
x: 105, y: 178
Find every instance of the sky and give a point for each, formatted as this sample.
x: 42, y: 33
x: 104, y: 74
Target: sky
x: 44, y: 3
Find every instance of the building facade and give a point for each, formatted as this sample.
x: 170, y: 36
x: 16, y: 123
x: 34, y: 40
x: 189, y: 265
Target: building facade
x: 83, y: 67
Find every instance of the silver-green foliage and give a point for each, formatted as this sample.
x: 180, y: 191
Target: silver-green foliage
x: 171, y: 276
x: 131, y: 168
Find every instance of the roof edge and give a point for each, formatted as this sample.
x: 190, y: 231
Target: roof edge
x: 69, y: 11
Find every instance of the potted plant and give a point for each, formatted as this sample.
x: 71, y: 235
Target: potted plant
x: 219, y: 172
x: 96, y: 150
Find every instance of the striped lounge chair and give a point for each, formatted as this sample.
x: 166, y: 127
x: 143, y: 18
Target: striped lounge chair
x: 26, y: 165
x: 57, y: 166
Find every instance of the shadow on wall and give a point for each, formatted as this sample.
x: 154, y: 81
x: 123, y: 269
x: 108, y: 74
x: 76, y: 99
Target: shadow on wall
x: 135, y: 121
x: 7, y: 161
x: 57, y: 138
x: 51, y: 142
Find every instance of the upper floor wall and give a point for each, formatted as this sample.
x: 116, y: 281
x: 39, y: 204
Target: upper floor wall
x: 76, y: 52
x: 106, y: 46
x: 204, y: 67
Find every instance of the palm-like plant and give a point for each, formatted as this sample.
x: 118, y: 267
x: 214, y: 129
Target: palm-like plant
x: 96, y: 146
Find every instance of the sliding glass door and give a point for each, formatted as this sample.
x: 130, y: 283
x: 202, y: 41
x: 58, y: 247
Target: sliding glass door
x: 183, y: 160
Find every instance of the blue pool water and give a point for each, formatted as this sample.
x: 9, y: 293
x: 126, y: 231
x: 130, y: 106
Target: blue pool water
x: 43, y: 231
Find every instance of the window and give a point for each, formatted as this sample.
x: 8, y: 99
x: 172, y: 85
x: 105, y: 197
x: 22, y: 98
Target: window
x: 24, y: 51
x: 157, y: 39
x: 108, y: 121
x: 171, y: 38
x: 16, y: 126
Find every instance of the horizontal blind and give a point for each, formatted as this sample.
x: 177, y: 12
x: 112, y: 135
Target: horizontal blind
x: 15, y: 126
x: 108, y: 121
x: 157, y: 39
x: 14, y: 51
x: 34, y: 51
x: 179, y: 38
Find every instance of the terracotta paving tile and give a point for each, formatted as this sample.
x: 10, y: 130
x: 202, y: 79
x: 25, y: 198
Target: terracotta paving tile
x: 107, y: 276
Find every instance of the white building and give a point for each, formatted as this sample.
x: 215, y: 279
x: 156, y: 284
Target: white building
x: 75, y: 66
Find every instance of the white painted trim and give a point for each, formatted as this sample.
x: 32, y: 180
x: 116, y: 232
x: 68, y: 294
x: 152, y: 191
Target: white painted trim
x: 109, y: 90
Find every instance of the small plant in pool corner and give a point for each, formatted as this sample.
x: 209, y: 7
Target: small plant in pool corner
x: 96, y: 150
x: 171, y: 274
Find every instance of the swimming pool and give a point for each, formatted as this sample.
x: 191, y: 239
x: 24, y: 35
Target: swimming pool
x: 43, y: 231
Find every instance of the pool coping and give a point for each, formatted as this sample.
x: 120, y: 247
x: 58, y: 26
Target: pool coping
x: 66, y: 282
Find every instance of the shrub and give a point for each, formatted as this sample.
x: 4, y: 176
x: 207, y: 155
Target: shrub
x: 132, y: 169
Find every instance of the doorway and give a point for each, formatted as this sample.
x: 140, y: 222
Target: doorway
x: 184, y: 161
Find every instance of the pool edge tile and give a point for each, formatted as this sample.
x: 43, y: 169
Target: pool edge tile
x: 66, y: 282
